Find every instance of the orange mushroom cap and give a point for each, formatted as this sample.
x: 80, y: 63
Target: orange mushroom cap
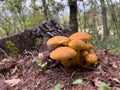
x: 84, y: 53
x: 91, y: 58
x: 91, y: 51
x: 81, y: 35
x: 63, y: 53
x: 89, y: 46
x: 58, y: 40
x: 77, y: 44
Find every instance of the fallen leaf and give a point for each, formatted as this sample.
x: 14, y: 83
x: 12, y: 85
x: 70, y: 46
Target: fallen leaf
x: 12, y: 82
x: 57, y: 87
x: 96, y: 82
x: 40, y: 56
x: 115, y: 79
x: 78, y: 81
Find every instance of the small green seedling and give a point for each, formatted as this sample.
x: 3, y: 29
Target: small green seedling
x: 40, y: 63
x: 57, y: 87
x: 77, y: 82
x: 104, y: 86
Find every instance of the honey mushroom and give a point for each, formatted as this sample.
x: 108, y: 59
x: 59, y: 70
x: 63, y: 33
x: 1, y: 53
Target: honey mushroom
x: 90, y: 59
x: 64, y: 54
x: 90, y: 48
x: 84, y: 53
x: 73, y: 50
x: 79, y: 42
x: 89, y: 56
x: 58, y: 41
x: 82, y: 36
x: 77, y: 45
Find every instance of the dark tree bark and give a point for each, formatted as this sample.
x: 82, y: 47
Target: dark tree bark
x: 104, y: 18
x: 26, y: 40
x: 73, y: 15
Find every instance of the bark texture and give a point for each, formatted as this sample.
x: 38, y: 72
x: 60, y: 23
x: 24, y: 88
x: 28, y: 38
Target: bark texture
x: 104, y: 19
x: 73, y: 15
x: 26, y: 39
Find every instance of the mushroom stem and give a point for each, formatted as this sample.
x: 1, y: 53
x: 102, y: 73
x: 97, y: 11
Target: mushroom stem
x: 76, y: 60
x: 87, y: 64
x: 66, y: 63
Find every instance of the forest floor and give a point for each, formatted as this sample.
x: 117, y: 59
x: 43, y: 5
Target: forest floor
x: 22, y: 73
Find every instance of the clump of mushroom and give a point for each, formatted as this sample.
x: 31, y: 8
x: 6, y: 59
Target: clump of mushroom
x: 73, y: 50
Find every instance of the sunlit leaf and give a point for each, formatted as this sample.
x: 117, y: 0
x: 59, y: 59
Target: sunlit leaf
x: 104, y: 86
x: 43, y: 65
x: 57, y: 87
x: 78, y: 81
x: 39, y: 63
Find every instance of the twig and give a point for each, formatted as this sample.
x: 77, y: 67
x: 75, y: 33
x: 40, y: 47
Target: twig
x: 4, y: 52
x: 27, y: 52
x: 71, y: 77
x: 64, y: 71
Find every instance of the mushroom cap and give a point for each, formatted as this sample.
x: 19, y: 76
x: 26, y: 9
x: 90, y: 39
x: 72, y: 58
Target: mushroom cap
x: 84, y: 53
x: 77, y: 44
x: 63, y: 53
x: 91, y: 51
x: 58, y: 40
x: 81, y: 35
x: 89, y: 46
x: 91, y: 58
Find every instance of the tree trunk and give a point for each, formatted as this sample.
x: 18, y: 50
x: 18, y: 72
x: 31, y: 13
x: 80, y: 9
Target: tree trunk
x: 114, y: 19
x: 73, y: 15
x: 104, y: 18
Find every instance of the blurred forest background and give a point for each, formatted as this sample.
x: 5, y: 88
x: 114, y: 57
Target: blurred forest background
x: 100, y: 18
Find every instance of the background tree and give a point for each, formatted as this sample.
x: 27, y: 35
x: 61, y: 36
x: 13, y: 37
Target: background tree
x: 73, y: 15
x: 104, y: 18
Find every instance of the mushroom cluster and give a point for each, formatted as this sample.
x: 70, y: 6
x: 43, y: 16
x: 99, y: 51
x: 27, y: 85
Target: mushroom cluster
x: 73, y: 50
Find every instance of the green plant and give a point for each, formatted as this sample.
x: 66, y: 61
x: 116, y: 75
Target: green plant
x: 77, y: 82
x: 39, y: 63
x: 37, y: 42
x: 57, y: 87
x: 12, y: 48
x: 104, y: 86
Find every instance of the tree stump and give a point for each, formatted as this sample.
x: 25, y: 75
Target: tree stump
x: 26, y: 40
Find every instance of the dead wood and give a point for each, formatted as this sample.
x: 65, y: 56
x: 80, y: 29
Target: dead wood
x: 26, y: 39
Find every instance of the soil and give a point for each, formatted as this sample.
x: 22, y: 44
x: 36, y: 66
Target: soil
x: 30, y: 76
